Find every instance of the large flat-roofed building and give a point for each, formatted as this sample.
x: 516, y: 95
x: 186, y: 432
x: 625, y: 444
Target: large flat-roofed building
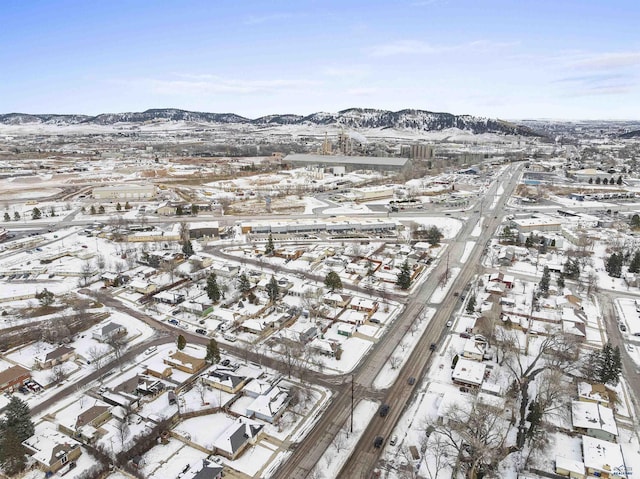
x: 351, y: 163
x: 125, y: 192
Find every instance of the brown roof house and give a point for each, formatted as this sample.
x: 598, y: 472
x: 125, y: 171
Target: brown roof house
x: 82, y: 419
x: 52, y: 450
x: 14, y: 377
x: 57, y: 356
x: 184, y: 362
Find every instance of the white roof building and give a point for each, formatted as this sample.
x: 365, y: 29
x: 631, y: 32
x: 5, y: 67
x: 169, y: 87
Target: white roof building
x: 594, y: 419
x: 468, y: 372
x: 601, y: 457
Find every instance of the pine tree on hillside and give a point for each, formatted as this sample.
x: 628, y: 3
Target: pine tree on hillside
x: 404, y: 277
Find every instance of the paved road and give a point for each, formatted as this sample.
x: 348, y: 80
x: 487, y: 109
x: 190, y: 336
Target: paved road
x: 365, y: 457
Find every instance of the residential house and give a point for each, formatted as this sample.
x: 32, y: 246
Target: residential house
x: 84, y: 418
x: 468, y: 372
x: 601, y: 458
x: 337, y: 300
x: 13, y: 377
x: 225, y: 379
x: 269, y: 406
x: 364, y: 305
x: 184, y: 362
x: 197, y: 308
x: 572, y: 468
x: 202, y: 469
x: 507, y: 279
x: 474, y: 348
x: 52, y: 450
x: 109, y: 331
x: 237, y: 437
x: 141, y: 286
x: 597, y: 393
x: 57, y: 356
x: 594, y: 420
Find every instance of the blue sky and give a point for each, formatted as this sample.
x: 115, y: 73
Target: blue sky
x: 499, y: 58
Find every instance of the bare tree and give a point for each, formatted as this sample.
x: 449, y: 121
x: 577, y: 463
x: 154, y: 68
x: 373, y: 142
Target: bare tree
x: 438, y: 450
x: 185, y: 234
x: 339, y: 441
x: 477, y: 437
x: 118, y: 344
x: 96, y: 357
x: 100, y: 262
x: 58, y: 373
x: 123, y: 431
x: 201, y: 388
x: 395, y: 361
x: 86, y: 271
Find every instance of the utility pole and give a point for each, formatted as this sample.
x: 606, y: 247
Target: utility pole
x: 351, y: 429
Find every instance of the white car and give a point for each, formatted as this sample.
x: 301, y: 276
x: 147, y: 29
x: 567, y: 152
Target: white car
x: 449, y: 324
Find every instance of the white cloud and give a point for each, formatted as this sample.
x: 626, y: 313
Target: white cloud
x: 417, y: 47
x: 607, y: 60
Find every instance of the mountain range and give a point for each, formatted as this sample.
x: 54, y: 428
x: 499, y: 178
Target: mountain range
x: 355, y: 118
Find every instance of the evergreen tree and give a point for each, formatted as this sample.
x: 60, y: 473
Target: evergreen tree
x: 213, y: 352
x: 127, y: 206
x: 619, y: 182
x: 182, y: 342
x: 273, y: 290
x: 101, y: 209
x: 543, y: 287
x: 604, y: 366
x: 614, y: 265
x: 52, y: 211
x: 560, y: 282
x: 187, y: 248
x: 15, y: 427
x: 605, y: 181
x: 333, y: 281
x: 269, y: 248
x: 471, y: 304
x: 16, y: 216
x: 194, y: 209
x: 118, y: 207
x: 213, y: 290
x: 36, y: 214
x: 590, y: 181
x: 634, y: 266
x: 434, y: 235
x: 92, y: 210
x: 7, y: 217
x: 243, y: 283
x: 45, y: 297
x: 179, y: 211
x: 571, y: 269
x: 635, y: 221
x: 404, y: 277
x: 598, y: 181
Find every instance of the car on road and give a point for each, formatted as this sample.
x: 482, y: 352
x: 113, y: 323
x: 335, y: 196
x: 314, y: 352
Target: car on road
x: 173, y: 321
x: 393, y: 440
x: 631, y: 348
x: 622, y: 327
x: 411, y: 381
x: 378, y: 441
x: 449, y: 324
x: 384, y: 410
x: 201, y: 331
x: 433, y: 347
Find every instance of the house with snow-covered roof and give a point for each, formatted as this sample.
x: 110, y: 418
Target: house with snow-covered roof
x: 52, y: 450
x: 594, y: 420
x: 108, y: 331
x: 225, y: 379
x: 269, y: 406
x: 601, y: 458
x: 202, y: 469
x: 237, y: 437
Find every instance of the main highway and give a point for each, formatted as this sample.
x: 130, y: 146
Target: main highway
x: 365, y: 457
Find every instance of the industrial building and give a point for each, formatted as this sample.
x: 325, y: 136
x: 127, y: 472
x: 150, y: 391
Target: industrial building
x: 350, y: 163
x: 125, y: 192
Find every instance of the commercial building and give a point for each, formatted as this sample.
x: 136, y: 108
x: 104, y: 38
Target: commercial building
x: 125, y: 192
x: 350, y: 163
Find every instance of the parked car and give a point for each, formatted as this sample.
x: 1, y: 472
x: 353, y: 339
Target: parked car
x: 449, y: 324
x: 378, y: 441
x: 384, y: 410
x: 411, y: 381
x: 433, y: 347
x: 393, y: 440
x: 173, y: 321
x: 463, y: 389
x: 201, y: 331
x: 465, y: 335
